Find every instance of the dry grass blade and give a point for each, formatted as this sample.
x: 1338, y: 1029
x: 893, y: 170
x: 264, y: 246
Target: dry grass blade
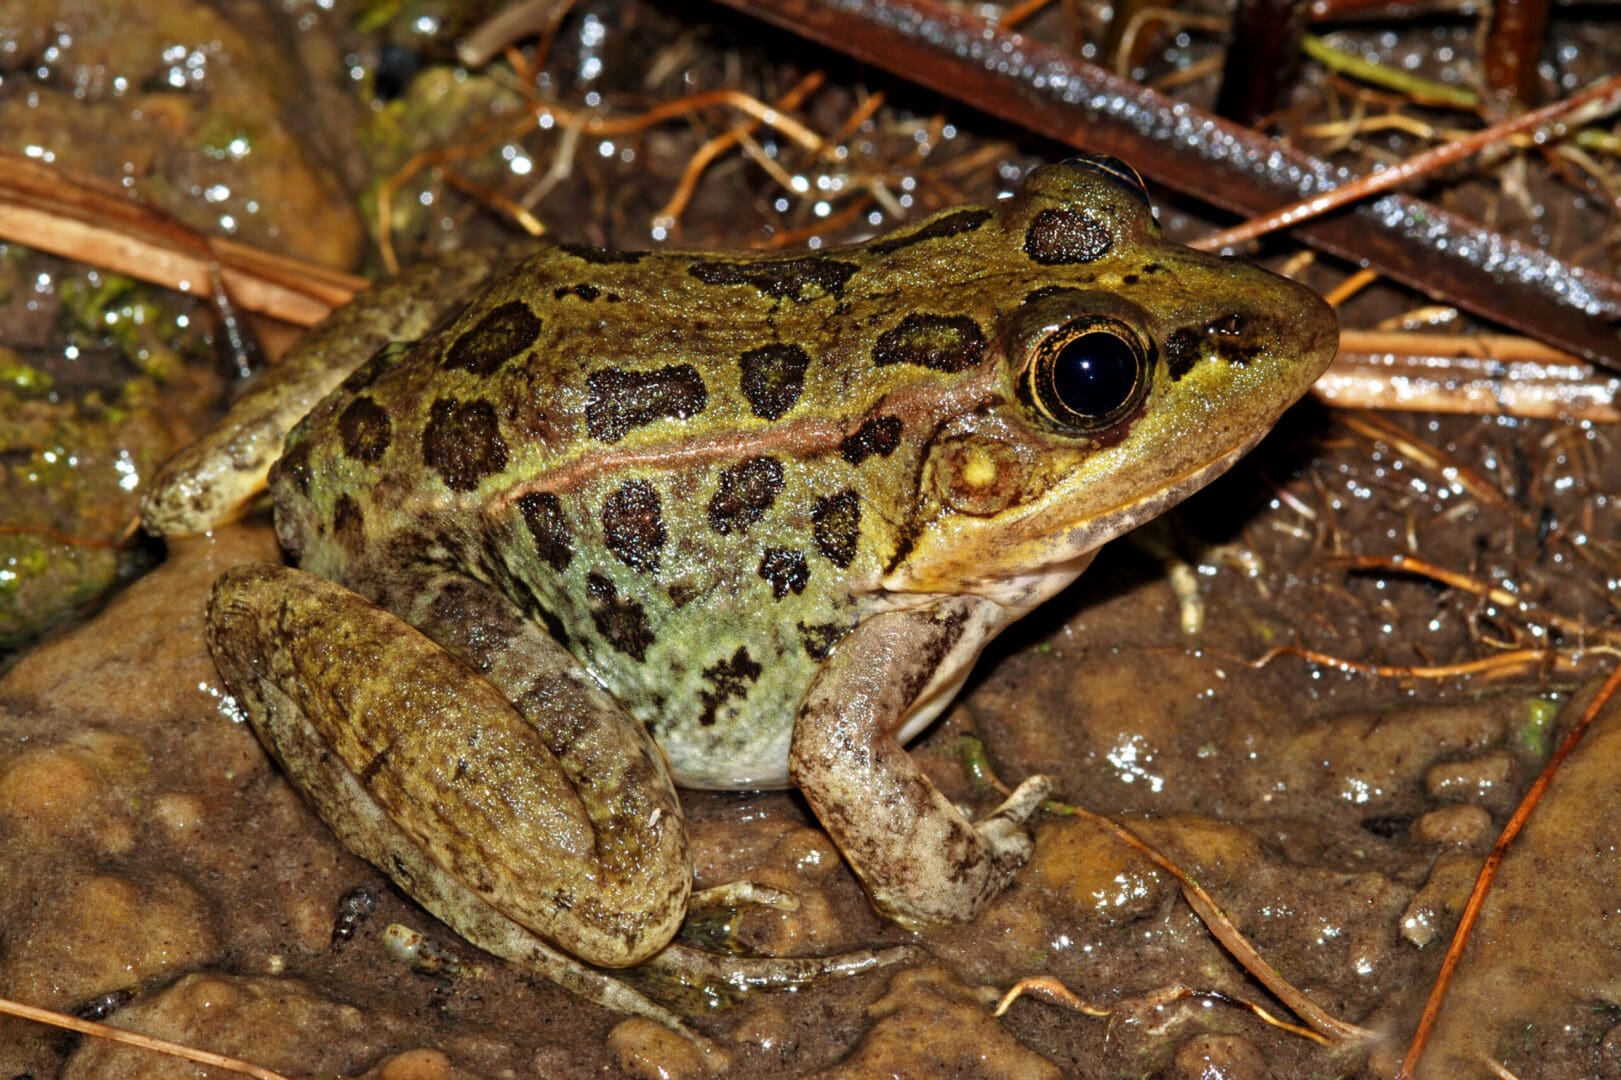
x: 1050, y: 990
x: 1595, y: 100
x: 720, y: 144
x: 1055, y: 992
x: 1488, y: 872
x: 135, y: 1038
x: 1203, y: 904
x: 1501, y: 665
x: 1409, y: 564
x: 43, y: 209
x: 1222, y: 928
x: 1485, y: 375
x: 1457, y: 475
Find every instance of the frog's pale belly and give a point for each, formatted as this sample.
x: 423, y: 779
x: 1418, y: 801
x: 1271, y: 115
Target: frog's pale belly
x: 717, y: 684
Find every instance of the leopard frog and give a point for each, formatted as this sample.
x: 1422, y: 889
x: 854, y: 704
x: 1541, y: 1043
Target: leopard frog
x: 580, y: 526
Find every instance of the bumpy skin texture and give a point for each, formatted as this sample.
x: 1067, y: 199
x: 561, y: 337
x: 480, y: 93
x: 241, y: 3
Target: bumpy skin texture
x: 763, y: 511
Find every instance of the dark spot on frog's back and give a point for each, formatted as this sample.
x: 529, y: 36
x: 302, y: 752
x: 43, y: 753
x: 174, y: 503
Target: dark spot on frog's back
x: 940, y: 342
x: 462, y: 442
x: 954, y: 224
x: 373, y: 369
x: 820, y: 638
x: 633, y: 525
x: 348, y: 523
x: 879, y: 435
x: 294, y: 466
x: 587, y: 293
x: 543, y: 513
x: 745, y: 493
x: 365, y: 430
x: 620, y: 620
x: 785, y: 570
x: 772, y: 378
x: 1066, y: 236
x: 501, y: 335
x: 836, y: 524
x: 621, y: 400
x: 801, y: 279
x: 730, y: 679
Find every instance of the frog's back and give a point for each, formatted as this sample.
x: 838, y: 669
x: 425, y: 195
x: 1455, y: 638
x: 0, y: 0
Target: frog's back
x: 693, y: 469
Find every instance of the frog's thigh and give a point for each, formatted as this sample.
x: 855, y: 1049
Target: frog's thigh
x: 424, y: 769
x: 922, y: 862
x: 211, y: 481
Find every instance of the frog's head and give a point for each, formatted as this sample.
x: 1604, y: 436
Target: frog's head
x: 1130, y: 372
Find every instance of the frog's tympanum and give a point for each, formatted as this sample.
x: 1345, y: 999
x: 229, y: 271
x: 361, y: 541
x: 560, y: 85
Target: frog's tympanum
x: 619, y: 521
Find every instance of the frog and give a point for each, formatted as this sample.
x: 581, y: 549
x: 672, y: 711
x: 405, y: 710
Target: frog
x: 574, y: 527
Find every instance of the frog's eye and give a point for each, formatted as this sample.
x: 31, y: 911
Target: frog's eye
x: 1088, y: 374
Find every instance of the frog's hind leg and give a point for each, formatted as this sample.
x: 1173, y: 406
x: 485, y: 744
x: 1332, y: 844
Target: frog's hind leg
x: 211, y: 481
x: 538, y: 842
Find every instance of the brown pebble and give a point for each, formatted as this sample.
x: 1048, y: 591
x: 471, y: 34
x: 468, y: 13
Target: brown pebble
x: 107, y: 933
x: 649, y: 1051
x: 1219, y: 1057
x: 422, y: 1063
x: 180, y: 815
x: 1453, y: 825
x: 81, y: 787
x: 1435, y: 907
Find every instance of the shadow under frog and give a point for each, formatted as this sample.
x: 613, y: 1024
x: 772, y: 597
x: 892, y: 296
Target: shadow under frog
x: 575, y: 527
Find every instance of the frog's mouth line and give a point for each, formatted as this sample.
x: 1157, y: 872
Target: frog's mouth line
x: 1022, y: 589
x: 1082, y: 539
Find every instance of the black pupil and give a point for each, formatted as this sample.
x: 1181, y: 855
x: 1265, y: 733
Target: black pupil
x: 1094, y: 375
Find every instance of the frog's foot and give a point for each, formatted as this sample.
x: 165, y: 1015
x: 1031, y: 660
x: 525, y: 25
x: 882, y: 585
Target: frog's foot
x: 1003, y: 831
x: 715, y: 915
x: 697, y: 978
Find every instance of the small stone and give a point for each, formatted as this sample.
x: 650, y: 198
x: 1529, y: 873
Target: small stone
x: 423, y: 1063
x: 648, y: 1051
x: 180, y: 816
x: 1457, y: 826
x: 1219, y: 1057
x: 107, y: 933
x: 1435, y: 908
x: 929, y: 1024
x: 81, y: 788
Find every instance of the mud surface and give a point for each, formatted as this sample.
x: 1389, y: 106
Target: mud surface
x: 156, y: 871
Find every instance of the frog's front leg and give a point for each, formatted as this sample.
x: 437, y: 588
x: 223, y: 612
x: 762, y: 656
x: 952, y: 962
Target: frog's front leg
x: 502, y: 789
x: 921, y: 861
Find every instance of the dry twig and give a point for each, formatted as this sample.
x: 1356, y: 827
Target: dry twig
x: 1488, y: 872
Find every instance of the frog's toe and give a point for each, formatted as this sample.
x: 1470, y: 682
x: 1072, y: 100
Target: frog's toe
x: 1025, y: 800
x: 1003, y: 831
x: 740, y: 894
x: 693, y: 979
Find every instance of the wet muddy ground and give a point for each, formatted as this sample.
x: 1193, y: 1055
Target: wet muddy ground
x: 158, y: 872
